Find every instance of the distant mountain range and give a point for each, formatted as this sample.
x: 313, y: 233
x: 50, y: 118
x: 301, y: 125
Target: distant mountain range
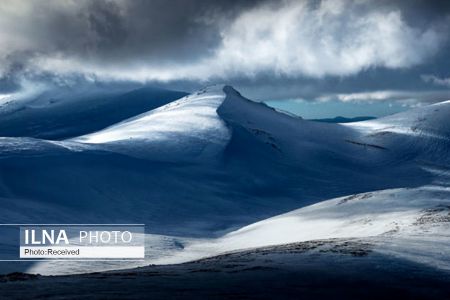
x: 340, y: 119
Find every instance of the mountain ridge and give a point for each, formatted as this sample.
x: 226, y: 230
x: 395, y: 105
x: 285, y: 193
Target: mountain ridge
x: 210, y: 163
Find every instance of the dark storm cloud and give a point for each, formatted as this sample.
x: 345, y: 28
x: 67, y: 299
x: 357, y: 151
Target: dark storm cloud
x: 274, y: 49
x: 178, y: 30
x: 145, y: 30
x: 106, y: 32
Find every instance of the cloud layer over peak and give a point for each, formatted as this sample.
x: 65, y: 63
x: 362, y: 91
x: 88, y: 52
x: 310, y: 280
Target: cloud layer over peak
x: 158, y: 40
x: 263, y: 42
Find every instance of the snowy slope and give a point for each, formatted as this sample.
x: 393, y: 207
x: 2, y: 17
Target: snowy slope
x: 411, y: 224
x: 197, y: 169
x: 214, y: 160
x: 426, y: 121
x: 422, y: 133
x: 58, y: 113
x: 415, y: 221
x: 182, y: 129
x: 184, y: 115
x: 207, y: 117
x: 207, y: 121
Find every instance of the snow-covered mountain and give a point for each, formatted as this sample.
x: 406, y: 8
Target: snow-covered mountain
x: 59, y: 113
x: 197, y: 169
x: 422, y: 133
x: 181, y: 130
x: 214, y: 160
x: 410, y: 224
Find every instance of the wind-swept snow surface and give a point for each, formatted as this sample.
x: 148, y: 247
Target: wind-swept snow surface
x: 61, y: 113
x: 197, y: 169
x: 422, y: 133
x: 182, y: 129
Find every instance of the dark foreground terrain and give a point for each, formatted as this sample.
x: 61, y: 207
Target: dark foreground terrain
x: 333, y: 269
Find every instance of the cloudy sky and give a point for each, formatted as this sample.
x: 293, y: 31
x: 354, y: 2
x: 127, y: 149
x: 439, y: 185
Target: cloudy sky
x: 330, y: 50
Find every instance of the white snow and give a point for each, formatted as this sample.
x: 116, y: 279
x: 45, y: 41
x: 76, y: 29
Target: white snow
x: 410, y: 222
x: 189, y: 125
x: 394, y: 216
x: 426, y: 121
x: 192, y: 115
